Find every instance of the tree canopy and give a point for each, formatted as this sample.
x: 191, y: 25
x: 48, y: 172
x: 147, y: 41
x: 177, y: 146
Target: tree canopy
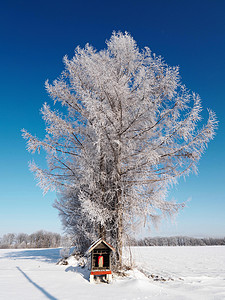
x: 127, y: 131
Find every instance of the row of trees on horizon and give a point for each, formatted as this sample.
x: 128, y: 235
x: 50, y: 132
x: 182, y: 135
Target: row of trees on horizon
x: 39, y: 239
x: 44, y: 239
x: 178, y: 241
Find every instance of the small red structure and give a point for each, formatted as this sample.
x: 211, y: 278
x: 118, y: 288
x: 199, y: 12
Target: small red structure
x: 100, y: 259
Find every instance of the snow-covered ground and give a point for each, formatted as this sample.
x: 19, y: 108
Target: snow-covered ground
x: 190, y: 273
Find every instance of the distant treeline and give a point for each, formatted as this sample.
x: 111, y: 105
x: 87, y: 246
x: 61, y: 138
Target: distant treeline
x: 45, y: 239
x: 178, y: 241
x: 39, y: 239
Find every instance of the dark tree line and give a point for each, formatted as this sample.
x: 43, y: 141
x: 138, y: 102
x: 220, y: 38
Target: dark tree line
x: 39, y: 239
x: 178, y: 241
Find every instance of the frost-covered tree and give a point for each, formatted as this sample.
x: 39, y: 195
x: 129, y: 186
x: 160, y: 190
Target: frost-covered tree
x: 128, y: 129
x: 75, y: 221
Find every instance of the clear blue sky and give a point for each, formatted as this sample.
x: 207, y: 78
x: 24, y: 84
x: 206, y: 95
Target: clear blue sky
x: 34, y: 37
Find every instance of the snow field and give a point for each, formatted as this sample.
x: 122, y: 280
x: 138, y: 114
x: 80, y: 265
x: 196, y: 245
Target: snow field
x: 197, y: 272
x: 193, y: 273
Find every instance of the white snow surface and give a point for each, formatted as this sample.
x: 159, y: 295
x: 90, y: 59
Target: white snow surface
x: 190, y: 273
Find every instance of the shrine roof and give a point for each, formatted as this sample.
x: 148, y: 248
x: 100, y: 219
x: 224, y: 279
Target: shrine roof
x: 96, y: 243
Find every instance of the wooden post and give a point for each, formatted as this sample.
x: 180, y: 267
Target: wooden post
x: 91, y: 278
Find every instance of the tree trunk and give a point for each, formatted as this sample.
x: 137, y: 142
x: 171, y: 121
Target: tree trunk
x: 119, y: 208
x: 119, y: 233
x: 119, y: 242
x: 102, y: 233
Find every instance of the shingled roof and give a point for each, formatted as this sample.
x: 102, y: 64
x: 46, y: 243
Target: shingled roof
x: 96, y: 243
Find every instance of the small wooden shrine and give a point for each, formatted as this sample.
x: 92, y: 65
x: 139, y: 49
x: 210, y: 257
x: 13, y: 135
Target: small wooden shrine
x: 100, y: 260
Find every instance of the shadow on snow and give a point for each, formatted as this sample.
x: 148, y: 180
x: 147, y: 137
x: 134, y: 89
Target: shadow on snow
x: 49, y: 296
x: 46, y: 255
x: 84, y: 272
x: 49, y: 256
